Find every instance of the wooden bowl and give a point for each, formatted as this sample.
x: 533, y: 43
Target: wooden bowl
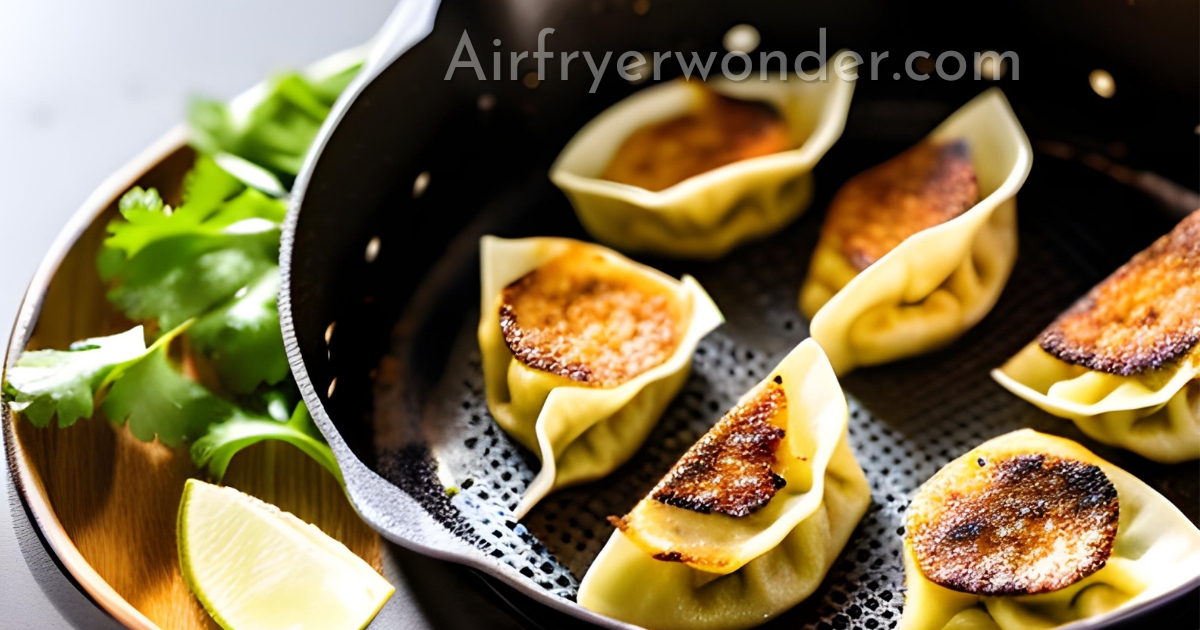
x: 106, y: 502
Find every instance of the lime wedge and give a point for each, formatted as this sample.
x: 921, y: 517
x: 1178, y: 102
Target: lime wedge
x: 255, y: 566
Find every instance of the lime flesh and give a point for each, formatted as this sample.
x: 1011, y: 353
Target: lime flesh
x: 254, y: 566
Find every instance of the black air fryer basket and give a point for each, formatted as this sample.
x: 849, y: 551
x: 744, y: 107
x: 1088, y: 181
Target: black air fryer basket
x: 416, y: 168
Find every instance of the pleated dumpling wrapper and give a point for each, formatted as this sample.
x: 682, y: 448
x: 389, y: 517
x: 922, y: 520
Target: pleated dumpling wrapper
x: 1124, y: 362
x: 749, y: 521
x: 915, y: 251
x: 745, y: 151
x: 1029, y: 531
x: 582, y: 350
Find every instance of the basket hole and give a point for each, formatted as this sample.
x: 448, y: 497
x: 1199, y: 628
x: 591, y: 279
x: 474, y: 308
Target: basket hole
x: 372, y: 251
x: 420, y: 184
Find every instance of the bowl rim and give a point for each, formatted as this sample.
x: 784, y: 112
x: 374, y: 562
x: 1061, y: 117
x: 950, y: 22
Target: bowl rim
x: 27, y: 485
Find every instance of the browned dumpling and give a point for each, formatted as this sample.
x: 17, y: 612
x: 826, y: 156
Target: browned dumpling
x: 1014, y: 524
x: 1143, y: 316
x: 1032, y: 531
x: 692, y: 169
x: 583, y: 316
x: 916, y: 251
x: 582, y: 350
x: 721, y: 131
x: 1123, y: 362
x: 749, y: 521
x: 732, y: 469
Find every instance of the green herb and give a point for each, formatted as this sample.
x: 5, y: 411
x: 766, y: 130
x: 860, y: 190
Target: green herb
x: 147, y: 390
x: 177, y: 279
x: 171, y: 265
x: 242, y: 337
x: 159, y: 402
x: 276, y: 134
x: 45, y: 383
x: 206, y: 270
x: 216, y: 449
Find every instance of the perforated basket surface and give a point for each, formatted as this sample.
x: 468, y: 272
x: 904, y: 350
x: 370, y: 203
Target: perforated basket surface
x: 432, y: 429
x: 415, y: 168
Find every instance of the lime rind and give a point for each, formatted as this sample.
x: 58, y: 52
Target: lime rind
x: 252, y: 565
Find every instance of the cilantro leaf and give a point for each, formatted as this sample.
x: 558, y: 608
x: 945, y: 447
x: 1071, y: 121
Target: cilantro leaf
x: 158, y: 401
x: 214, y: 201
x: 45, y: 383
x: 207, y: 188
x: 209, y: 184
x: 179, y: 278
x: 276, y: 133
x: 208, y: 267
x: 216, y: 449
x: 149, y: 393
x: 242, y: 337
x: 251, y: 174
x: 174, y: 264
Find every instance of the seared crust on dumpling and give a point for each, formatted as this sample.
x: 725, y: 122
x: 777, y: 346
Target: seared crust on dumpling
x: 721, y: 131
x: 729, y: 471
x: 925, y: 186
x: 1019, y: 524
x: 583, y: 317
x: 1143, y: 316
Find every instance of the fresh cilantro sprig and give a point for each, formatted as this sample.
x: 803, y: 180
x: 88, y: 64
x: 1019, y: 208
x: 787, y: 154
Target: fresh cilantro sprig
x: 206, y: 272
x: 143, y: 387
x: 156, y: 400
x: 276, y: 134
x: 172, y: 264
x: 45, y: 383
x: 216, y: 449
x: 242, y: 337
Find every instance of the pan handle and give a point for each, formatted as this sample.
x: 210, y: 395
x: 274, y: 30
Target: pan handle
x: 387, y: 508
x: 410, y: 22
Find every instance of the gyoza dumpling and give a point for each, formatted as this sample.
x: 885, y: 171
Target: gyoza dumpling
x: 749, y: 521
x: 915, y: 251
x: 582, y: 350
x: 1123, y: 362
x: 1030, y: 531
x: 692, y: 169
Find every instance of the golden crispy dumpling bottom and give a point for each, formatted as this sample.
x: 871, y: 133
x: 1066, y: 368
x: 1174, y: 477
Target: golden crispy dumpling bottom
x: 729, y: 471
x: 1146, y: 314
x: 876, y: 210
x: 582, y: 316
x: 722, y: 131
x: 1015, y: 524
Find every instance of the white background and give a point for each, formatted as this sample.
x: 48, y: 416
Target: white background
x: 85, y: 85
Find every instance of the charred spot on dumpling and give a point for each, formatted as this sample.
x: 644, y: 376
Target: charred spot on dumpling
x: 721, y: 131
x: 587, y: 318
x: 1143, y: 316
x: 927, y: 185
x: 670, y: 556
x: 1017, y: 525
x: 729, y: 470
